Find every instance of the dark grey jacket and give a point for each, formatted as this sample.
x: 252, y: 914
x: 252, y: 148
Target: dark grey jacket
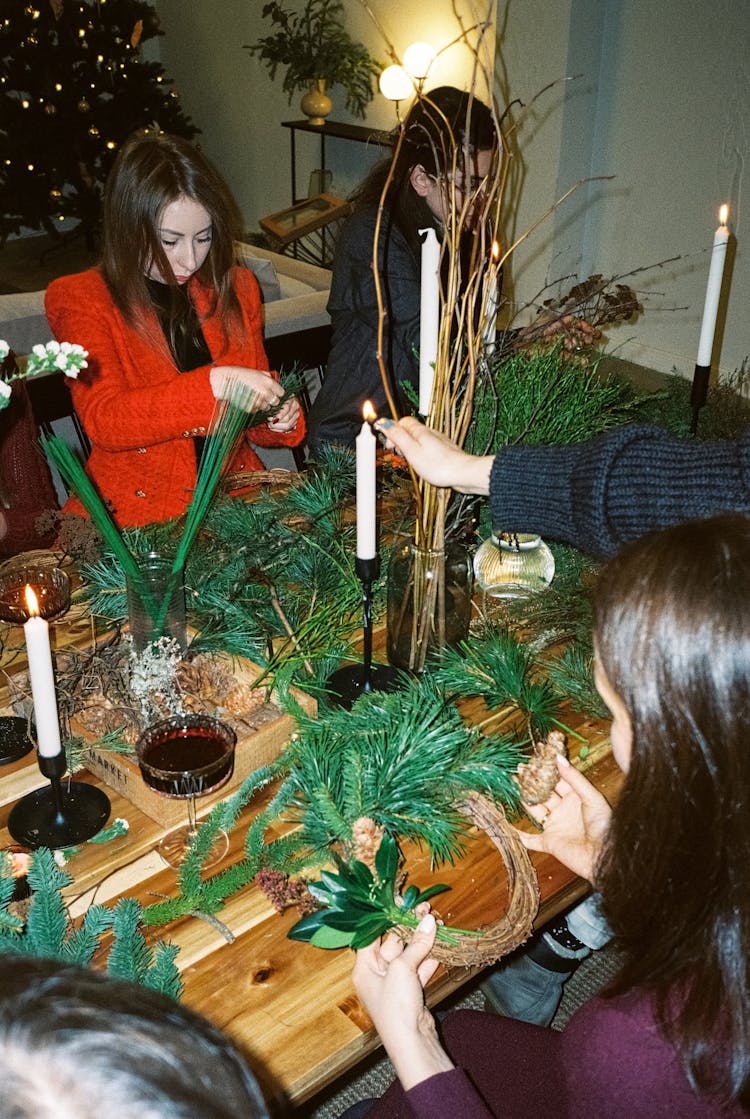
x: 352, y: 374
x: 600, y: 494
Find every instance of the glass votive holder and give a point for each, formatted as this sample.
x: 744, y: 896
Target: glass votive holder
x: 513, y: 565
x: 50, y: 585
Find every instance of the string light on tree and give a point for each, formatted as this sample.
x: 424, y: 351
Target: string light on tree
x: 65, y: 128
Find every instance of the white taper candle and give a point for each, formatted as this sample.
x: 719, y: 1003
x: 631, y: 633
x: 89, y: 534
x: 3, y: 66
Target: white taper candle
x: 713, y: 289
x: 42, y: 678
x: 429, y: 317
x: 365, y: 444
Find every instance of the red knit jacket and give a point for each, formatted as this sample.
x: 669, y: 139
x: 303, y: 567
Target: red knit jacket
x: 140, y: 414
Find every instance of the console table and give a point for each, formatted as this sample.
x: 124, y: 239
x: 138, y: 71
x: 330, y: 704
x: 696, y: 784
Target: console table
x: 357, y: 132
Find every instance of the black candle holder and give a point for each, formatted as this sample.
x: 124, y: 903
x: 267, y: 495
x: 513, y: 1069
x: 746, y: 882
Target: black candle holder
x: 60, y: 814
x: 351, y: 681
x: 699, y: 393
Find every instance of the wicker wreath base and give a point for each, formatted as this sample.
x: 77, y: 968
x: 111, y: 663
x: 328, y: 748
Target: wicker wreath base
x: 515, y: 926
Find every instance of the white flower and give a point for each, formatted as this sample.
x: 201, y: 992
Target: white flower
x: 4, y: 349
x: 67, y: 357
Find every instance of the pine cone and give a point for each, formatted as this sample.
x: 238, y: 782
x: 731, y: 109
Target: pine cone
x: 242, y: 700
x: 366, y: 837
x: 538, y: 776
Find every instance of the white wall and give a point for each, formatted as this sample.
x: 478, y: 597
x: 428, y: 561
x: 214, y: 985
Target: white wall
x: 661, y: 103
x: 239, y: 109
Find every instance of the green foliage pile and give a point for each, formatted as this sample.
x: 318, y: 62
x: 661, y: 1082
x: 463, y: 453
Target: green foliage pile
x: 538, y: 397
x: 47, y: 930
x: 257, y: 570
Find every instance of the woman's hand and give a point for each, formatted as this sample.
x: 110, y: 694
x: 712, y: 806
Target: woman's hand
x: 389, y: 978
x: 575, y: 820
x: 286, y: 417
x: 435, y: 457
x: 252, y: 389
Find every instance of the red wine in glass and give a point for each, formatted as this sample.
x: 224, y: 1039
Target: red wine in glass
x: 184, y: 757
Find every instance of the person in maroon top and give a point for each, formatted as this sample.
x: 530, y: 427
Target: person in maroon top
x: 671, y: 1035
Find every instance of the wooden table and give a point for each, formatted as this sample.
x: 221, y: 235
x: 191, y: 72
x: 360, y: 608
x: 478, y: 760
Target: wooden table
x: 291, y: 1006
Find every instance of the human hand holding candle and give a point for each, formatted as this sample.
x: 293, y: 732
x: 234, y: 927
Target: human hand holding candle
x: 429, y: 317
x: 365, y: 444
x: 41, y: 676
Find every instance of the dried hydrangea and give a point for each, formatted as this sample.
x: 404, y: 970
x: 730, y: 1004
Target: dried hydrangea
x: 153, y: 673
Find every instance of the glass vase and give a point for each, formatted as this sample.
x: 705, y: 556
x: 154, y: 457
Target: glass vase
x: 156, y: 603
x: 513, y: 565
x: 429, y: 602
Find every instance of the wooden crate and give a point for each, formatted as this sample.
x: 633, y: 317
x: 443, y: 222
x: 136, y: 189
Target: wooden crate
x: 253, y: 750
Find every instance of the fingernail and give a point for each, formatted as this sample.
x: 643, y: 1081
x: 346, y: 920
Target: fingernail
x: 383, y: 424
x: 427, y: 924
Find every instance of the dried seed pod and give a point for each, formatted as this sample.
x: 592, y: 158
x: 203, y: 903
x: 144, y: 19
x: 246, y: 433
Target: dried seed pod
x: 538, y: 776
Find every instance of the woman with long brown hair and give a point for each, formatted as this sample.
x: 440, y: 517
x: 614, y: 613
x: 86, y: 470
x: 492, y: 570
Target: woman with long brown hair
x: 671, y: 1036
x: 170, y: 325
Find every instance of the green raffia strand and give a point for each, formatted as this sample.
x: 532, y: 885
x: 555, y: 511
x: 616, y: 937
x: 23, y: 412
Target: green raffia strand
x: 81, y: 485
x: 230, y: 417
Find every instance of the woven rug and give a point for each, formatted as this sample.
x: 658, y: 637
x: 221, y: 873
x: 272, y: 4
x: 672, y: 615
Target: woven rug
x: 374, y: 1076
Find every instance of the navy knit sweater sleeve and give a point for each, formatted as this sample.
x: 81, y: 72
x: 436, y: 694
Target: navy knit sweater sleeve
x: 600, y: 494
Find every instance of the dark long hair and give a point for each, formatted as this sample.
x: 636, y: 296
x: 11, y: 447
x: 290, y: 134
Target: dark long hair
x: 150, y: 172
x: 672, y: 631
x: 442, y: 125
x: 75, y: 1042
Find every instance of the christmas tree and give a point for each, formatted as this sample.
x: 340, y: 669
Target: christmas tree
x: 73, y: 86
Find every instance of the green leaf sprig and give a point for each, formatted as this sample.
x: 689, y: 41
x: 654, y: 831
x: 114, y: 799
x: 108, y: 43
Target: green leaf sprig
x: 358, y: 906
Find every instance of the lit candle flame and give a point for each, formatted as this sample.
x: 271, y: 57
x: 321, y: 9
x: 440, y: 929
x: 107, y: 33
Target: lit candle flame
x: 32, y: 602
x: 723, y: 214
x: 495, y: 250
x: 368, y: 412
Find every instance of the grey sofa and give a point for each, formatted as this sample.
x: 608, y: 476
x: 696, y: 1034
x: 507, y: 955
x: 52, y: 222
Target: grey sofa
x: 294, y: 305
x: 296, y: 332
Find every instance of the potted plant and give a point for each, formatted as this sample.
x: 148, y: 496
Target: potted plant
x: 316, y: 50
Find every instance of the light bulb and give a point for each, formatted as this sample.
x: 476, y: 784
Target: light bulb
x: 395, y: 83
x: 418, y: 58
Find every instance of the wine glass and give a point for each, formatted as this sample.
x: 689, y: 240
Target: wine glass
x: 184, y: 757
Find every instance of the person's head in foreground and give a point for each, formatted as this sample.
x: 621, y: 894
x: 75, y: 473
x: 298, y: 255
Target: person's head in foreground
x: 672, y: 644
x: 75, y: 1044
